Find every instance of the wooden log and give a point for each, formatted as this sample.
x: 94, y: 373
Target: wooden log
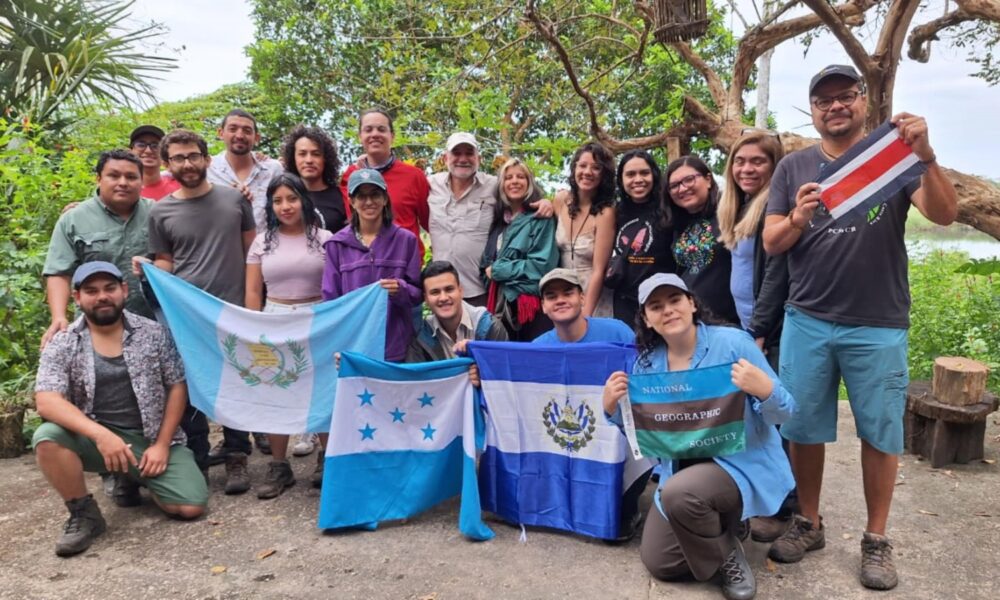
x: 943, y: 433
x: 959, y: 381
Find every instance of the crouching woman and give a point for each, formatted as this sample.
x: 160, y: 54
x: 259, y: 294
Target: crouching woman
x: 693, y: 527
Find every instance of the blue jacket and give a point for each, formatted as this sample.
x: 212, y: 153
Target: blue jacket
x: 761, y: 472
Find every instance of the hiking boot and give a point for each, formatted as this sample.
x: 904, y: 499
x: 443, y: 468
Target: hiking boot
x: 738, y: 582
x: 317, y: 476
x: 877, y: 569
x: 304, y: 444
x: 279, y: 476
x: 799, y: 538
x: 85, y: 523
x: 263, y: 442
x: 237, y: 476
x: 217, y: 455
x: 126, y: 491
x: 768, y: 529
x: 743, y: 530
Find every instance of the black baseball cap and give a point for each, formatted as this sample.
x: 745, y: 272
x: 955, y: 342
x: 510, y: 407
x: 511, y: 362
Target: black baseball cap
x: 143, y: 130
x: 833, y: 71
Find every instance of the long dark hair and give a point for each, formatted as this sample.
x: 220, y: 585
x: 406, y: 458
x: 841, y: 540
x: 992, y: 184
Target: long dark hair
x: 309, y: 219
x: 331, y: 162
x: 386, y: 210
x: 605, y: 195
x: 707, y: 211
x: 663, y: 214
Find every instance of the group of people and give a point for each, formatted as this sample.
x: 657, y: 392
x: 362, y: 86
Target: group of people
x: 757, y: 274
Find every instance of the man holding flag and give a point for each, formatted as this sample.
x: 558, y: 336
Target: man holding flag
x: 839, y: 209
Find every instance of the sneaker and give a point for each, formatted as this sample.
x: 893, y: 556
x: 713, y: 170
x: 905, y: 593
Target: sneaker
x: 279, y: 476
x: 877, y: 569
x: 317, y: 476
x: 126, y: 491
x: 738, y: 582
x: 85, y: 523
x: 263, y: 442
x: 626, y: 531
x: 217, y: 455
x: 768, y: 529
x: 799, y: 538
x: 304, y: 444
x: 237, y: 476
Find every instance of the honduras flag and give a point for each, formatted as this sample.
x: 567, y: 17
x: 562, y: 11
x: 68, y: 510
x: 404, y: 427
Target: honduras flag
x: 270, y: 372
x: 401, y: 441
x: 552, y: 459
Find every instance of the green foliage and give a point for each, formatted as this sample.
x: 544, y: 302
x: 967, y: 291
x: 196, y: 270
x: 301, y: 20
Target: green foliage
x: 54, y: 53
x: 954, y: 313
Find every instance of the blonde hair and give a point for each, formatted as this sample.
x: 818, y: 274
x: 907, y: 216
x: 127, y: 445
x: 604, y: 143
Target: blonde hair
x: 532, y: 194
x: 732, y: 228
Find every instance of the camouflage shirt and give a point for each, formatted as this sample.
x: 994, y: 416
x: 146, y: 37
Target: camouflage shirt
x: 67, y: 367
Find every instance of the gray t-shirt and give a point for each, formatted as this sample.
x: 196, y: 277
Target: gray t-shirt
x: 115, y: 403
x: 851, y: 274
x: 204, y: 235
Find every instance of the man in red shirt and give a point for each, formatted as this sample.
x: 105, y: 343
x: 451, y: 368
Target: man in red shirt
x: 144, y: 143
x: 408, y: 187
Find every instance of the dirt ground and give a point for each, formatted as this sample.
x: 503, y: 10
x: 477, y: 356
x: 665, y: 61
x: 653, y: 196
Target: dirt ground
x: 945, y: 525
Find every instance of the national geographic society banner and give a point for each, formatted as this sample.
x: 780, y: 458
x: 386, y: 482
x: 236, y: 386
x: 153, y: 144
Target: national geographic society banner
x: 684, y: 414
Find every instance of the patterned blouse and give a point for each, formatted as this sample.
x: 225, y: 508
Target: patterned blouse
x: 67, y: 367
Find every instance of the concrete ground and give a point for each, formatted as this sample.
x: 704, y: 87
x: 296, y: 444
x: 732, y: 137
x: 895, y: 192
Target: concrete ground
x: 945, y: 525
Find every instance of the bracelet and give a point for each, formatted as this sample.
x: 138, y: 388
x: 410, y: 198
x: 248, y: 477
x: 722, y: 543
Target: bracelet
x: 792, y: 223
x: 931, y: 160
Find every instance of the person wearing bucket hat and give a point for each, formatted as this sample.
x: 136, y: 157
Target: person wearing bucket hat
x: 144, y: 142
x: 112, y: 393
x: 836, y: 328
x: 707, y: 499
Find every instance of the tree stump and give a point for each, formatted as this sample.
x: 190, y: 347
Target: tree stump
x: 944, y: 433
x: 11, y: 436
x: 959, y: 381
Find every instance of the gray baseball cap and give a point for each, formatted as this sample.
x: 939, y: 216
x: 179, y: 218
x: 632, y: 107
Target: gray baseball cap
x: 833, y: 71
x: 568, y: 275
x: 648, y: 286
x: 89, y: 269
x: 363, y: 176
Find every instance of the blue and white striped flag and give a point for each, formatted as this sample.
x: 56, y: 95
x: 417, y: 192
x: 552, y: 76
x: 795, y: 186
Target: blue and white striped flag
x: 401, y: 441
x: 552, y: 459
x: 270, y: 372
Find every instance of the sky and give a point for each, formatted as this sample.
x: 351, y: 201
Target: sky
x: 208, y: 38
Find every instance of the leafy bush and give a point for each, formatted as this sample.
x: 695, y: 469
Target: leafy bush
x: 953, y: 314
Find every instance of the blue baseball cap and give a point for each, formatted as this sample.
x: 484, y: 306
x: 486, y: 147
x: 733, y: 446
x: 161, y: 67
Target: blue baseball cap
x: 648, y: 286
x: 363, y: 176
x: 89, y: 269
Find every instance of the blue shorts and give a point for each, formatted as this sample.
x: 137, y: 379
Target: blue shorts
x: 815, y: 354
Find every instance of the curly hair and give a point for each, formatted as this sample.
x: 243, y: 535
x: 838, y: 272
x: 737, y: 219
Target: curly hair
x: 605, y: 195
x: 331, y: 161
x: 309, y: 214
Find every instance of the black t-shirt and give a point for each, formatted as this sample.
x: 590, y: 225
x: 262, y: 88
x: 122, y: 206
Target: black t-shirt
x: 330, y: 204
x: 851, y: 274
x: 646, y: 244
x: 705, y: 264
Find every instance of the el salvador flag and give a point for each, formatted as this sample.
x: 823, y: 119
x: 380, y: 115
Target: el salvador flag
x: 552, y: 459
x: 401, y: 441
x: 270, y: 372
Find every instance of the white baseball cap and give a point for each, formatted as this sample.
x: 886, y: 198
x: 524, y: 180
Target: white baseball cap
x: 648, y: 286
x: 461, y: 137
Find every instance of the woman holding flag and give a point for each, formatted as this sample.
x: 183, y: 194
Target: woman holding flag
x: 692, y: 528
x: 287, y: 259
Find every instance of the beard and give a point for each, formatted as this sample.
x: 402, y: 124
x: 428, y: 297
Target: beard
x: 100, y: 315
x: 191, y: 178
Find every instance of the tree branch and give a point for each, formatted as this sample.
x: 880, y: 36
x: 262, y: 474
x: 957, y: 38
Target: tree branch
x: 921, y: 36
x: 715, y: 85
x: 843, y: 34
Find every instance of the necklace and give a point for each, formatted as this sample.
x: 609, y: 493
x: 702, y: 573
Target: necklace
x: 572, y: 238
x: 827, y: 154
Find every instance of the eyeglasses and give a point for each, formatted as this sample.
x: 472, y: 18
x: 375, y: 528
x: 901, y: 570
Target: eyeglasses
x: 758, y: 130
x: 845, y: 99
x: 178, y: 160
x: 140, y: 146
x: 685, y: 182
x: 369, y: 199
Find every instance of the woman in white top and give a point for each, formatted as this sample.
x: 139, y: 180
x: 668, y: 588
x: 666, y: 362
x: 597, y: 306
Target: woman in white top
x: 586, y: 230
x: 288, y: 258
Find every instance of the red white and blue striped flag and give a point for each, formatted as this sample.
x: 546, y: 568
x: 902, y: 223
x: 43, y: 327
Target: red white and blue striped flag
x: 868, y: 174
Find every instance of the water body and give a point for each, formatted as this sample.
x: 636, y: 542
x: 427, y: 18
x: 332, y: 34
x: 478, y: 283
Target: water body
x: 978, y: 246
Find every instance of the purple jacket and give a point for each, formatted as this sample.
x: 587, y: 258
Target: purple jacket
x: 393, y: 255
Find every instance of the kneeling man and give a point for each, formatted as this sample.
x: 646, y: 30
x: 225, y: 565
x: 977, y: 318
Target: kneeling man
x: 111, y: 390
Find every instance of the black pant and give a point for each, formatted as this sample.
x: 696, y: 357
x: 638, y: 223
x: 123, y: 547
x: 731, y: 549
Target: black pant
x: 195, y: 426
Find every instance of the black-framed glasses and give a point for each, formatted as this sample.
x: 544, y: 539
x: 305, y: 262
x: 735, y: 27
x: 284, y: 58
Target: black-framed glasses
x: 684, y: 182
x: 845, y: 99
x: 178, y: 160
x: 140, y: 146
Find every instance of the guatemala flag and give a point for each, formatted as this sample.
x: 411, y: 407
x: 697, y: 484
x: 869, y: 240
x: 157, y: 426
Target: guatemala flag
x: 552, y: 459
x: 270, y: 372
x: 401, y: 441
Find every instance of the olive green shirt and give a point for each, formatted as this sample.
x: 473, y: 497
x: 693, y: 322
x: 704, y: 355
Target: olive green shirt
x: 92, y: 231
